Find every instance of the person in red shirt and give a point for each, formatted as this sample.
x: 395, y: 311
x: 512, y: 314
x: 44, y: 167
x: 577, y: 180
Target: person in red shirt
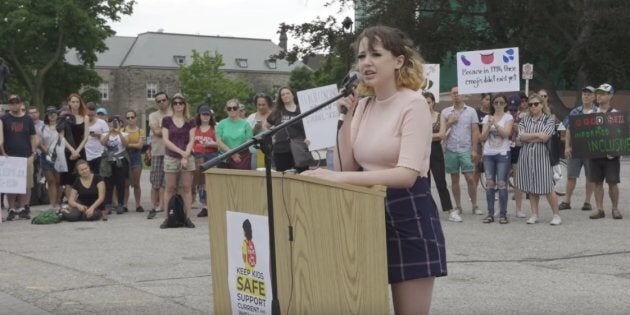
x: 204, y: 149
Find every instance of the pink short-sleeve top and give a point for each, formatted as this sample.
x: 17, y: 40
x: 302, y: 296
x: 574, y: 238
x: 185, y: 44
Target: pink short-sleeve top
x: 394, y: 132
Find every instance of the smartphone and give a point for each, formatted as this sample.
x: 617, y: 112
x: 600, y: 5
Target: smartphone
x: 91, y: 132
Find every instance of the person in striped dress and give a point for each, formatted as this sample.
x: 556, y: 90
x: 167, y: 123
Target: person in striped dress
x: 534, y: 168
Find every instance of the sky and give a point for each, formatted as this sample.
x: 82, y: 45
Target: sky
x: 236, y: 18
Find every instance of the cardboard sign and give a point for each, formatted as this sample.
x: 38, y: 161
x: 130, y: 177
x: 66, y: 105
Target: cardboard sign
x: 432, y: 80
x: 13, y: 174
x: 599, y: 135
x: 488, y: 71
x: 249, y: 276
x: 321, y: 126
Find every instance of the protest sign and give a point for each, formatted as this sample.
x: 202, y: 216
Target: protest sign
x: 432, y: 80
x: 488, y: 71
x: 321, y: 126
x: 13, y: 175
x: 598, y: 135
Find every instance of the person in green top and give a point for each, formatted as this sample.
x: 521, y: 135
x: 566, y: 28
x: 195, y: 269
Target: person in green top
x: 232, y: 132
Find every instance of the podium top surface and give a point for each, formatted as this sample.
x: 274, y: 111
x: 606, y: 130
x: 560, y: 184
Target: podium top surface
x: 374, y: 190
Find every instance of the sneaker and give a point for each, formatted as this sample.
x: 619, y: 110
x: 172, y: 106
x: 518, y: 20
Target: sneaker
x: 616, y: 214
x: 11, y: 215
x: 202, y: 213
x: 139, y: 209
x: 564, y: 206
x: 189, y: 223
x: 125, y: 209
x: 120, y: 210
x: 24, y: 213
x: 152, y: 214
x: 477, y: 211
x: 532, y: 220
x: 164, y: 224
x: 458, y: 210
x: 521, y: 215
x: 597, y: 215
x: 587, y: 207
x: 454, y: 217
x: 556, y: 220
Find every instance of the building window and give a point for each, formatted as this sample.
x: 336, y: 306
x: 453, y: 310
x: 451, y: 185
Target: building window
x: 179, y: 60
x: 151, y: 90
x: 271, y: 63
x: 241, y: 62
x: 104, y: 89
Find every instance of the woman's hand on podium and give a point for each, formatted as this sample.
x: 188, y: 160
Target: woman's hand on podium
x: 324, y: 174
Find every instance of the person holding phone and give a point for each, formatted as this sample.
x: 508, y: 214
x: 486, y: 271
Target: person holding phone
x: 115, y: 142
x: 93, y: 148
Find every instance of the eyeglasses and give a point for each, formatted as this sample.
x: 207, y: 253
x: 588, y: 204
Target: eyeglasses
x: 230, y: 108
x: 130, y: 117
x: 179, y: 103
x: 499, y: 103
x: 161, y: 101
x: 533, y: 104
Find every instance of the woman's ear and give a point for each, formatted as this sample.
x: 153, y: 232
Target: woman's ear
x: 400, y: 61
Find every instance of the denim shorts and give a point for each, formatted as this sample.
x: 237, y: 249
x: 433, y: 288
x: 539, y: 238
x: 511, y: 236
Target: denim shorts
x: 44, y: 165
x: 135, y: 158
x: 206, y: 156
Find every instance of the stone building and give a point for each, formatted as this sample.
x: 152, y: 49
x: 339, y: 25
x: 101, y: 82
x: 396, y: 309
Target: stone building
x: 134, y: 69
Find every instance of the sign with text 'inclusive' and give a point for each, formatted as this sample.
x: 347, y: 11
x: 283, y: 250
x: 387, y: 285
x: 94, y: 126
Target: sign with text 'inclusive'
x: 598, y: 135
x: 488, y: 71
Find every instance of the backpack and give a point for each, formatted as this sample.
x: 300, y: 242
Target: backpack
x: 554, y: 147
x: 175, y: 216
x: 47, y: 217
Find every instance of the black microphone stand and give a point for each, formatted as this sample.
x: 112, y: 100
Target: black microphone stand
x: 264, y: 140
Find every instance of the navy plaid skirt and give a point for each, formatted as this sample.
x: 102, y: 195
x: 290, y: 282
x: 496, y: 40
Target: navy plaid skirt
x: 415, y: 242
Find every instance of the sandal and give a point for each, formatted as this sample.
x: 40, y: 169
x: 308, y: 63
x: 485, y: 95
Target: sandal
x: 503, y: 220
x: 488, y: 219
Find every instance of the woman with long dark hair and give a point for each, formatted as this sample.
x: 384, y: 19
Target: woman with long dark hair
x: 135, y: 142
x: 53, y: 159
x: 256, y: 120
x: 286, y: 109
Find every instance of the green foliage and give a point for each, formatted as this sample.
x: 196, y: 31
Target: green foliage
x: 36, y: 34
x: 203, y: 76
x: 302, y: 78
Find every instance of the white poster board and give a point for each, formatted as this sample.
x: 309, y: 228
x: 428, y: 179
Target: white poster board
x: 488, y: 71
x: 321, y: 126
x: 249, y: 276
x: 13, y: 175
x: 432, y: 80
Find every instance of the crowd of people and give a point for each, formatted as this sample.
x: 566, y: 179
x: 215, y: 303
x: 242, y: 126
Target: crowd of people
x: 79, y: 148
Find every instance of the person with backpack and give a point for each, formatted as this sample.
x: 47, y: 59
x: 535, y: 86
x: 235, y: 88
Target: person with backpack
x: 534, y: 166
x: 178, y: 134
x: 53, y: 159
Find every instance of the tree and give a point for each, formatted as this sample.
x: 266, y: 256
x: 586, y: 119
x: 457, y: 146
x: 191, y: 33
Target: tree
x: 302, y: 78
x: 570, y: 42
x: 203, y: 76
x: 35, y: 36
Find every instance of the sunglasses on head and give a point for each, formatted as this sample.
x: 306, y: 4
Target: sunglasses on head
x: 231, y: 108
x: 533, y: 104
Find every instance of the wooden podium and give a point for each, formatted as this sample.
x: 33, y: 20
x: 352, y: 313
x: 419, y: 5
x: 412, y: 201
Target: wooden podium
x: 337, y: 262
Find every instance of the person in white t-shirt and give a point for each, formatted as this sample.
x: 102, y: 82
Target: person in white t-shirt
x: 93, y: 147
x: 496, y: 131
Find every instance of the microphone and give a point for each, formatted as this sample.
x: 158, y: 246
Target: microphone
x: 350, y: 81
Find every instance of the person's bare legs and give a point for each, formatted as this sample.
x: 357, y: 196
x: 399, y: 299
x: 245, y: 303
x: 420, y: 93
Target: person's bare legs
x: 170, y: 180
x: 186, y: 189
x: 552, y: 198
x: 53, y: 188
x: 571, y: 181
x: 413, y: 296
x: 533, y: 201
x: 472, y: 188
x: 456, y: 190
x: 613, y: 192
x: 598, y: 189
x: 589, y: 192
x: 135, y: 183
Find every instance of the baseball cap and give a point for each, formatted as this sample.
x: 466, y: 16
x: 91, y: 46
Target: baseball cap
x: 513, y: 101
x: 101, y: 110
x: 51, y: 110
x: 241, y: 106
x: 14, y: 99
x: 204, y: 109
x: 588, y: 88
x: 606, y: 88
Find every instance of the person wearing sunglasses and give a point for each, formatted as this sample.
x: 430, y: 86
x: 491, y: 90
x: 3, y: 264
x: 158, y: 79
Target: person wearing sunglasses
x: 178, y: 134
x: 205, y: 148
x: 135, y: 142
x: 232, y: 132
x: 535, y: 173
x: 53, y: 161
x: 496, y: 131
x: 157, y: 153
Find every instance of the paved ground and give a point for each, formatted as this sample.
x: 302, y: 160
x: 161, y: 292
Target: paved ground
x: 127, y: 265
